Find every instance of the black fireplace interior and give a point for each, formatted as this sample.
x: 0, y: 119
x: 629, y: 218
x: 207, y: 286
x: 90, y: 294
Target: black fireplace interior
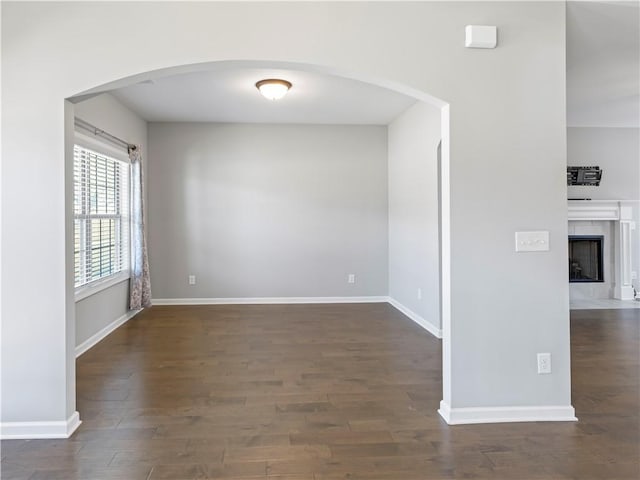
x: 585, y: 258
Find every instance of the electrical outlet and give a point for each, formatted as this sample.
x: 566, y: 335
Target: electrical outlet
x: 419, y: 294
x: 634, y: 275
x: 192, y: 279
x: 351, y: 278
x: 544, y: 363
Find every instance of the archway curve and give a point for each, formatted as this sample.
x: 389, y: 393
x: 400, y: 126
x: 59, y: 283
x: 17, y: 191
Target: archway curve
x: 418, y: 95
x: 228, y: 64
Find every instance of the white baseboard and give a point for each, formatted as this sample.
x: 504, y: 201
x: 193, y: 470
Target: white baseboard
x: 95, y: 338
x: 428, y: 326
x: 265, y: 300
x: 32, y: 430
x: 461, y: 416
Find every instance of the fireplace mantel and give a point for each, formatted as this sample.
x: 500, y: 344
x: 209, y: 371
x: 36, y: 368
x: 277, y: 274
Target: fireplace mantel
x: 620, y: 212
x: 600, y: 210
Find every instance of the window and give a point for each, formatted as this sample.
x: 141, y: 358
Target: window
x: 101, y: 216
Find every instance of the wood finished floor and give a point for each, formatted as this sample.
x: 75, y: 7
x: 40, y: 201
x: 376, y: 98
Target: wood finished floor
x: 323, y: 392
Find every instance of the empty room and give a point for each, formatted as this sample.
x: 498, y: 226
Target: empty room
x: 320, y: 240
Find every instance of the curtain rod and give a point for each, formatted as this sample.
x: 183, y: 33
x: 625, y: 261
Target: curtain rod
x: 83, y: 124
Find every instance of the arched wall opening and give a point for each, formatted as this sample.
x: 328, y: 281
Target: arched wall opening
x: 421, y: 97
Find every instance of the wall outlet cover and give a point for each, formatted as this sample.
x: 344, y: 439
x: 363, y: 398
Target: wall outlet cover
x: 544, y: 363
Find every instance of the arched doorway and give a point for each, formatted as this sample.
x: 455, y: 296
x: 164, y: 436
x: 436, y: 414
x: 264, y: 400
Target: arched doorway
x: 443, y: 154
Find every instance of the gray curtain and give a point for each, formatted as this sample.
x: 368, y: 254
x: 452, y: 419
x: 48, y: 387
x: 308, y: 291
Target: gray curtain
x: 140, y: 287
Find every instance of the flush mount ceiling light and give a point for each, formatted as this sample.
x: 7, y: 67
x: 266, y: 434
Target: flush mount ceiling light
x: 273, y: 88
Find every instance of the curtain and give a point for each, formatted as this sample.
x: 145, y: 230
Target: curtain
x: 140, y: 284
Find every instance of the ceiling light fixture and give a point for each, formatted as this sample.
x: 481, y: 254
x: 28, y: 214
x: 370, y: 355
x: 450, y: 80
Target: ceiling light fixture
x: 273, y: 88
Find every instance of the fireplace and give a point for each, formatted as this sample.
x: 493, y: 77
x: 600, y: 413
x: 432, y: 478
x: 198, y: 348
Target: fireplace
x: 585, y: 258
x: 614, y: 219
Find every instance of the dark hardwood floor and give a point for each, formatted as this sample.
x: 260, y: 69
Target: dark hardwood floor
x: 323, y: 392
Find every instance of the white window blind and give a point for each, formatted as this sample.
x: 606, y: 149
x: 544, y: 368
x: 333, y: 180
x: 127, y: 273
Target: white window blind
x: 101, y: 215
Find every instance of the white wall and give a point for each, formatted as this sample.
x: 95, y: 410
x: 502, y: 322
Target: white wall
x: 267, y: 210
x: 413, y: 212
x: 101, y: 309
x: 507, y: 111
x: 617, y: 152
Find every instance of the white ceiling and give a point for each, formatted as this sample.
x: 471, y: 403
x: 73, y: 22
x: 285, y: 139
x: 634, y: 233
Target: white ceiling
x: 230, y: 95
x: 603, y: 64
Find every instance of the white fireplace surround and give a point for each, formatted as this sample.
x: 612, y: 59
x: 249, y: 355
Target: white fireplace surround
x: 621, y: 213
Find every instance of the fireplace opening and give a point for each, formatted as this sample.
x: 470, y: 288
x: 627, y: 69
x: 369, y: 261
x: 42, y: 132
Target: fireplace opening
x: 585, y: 258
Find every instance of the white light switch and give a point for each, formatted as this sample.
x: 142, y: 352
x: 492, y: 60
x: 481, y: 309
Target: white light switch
x: 532, y: 241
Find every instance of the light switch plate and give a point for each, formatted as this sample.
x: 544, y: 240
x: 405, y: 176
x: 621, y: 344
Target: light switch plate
x: 532, y: 241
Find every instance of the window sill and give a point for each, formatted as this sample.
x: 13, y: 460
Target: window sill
x: 99, y: 285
